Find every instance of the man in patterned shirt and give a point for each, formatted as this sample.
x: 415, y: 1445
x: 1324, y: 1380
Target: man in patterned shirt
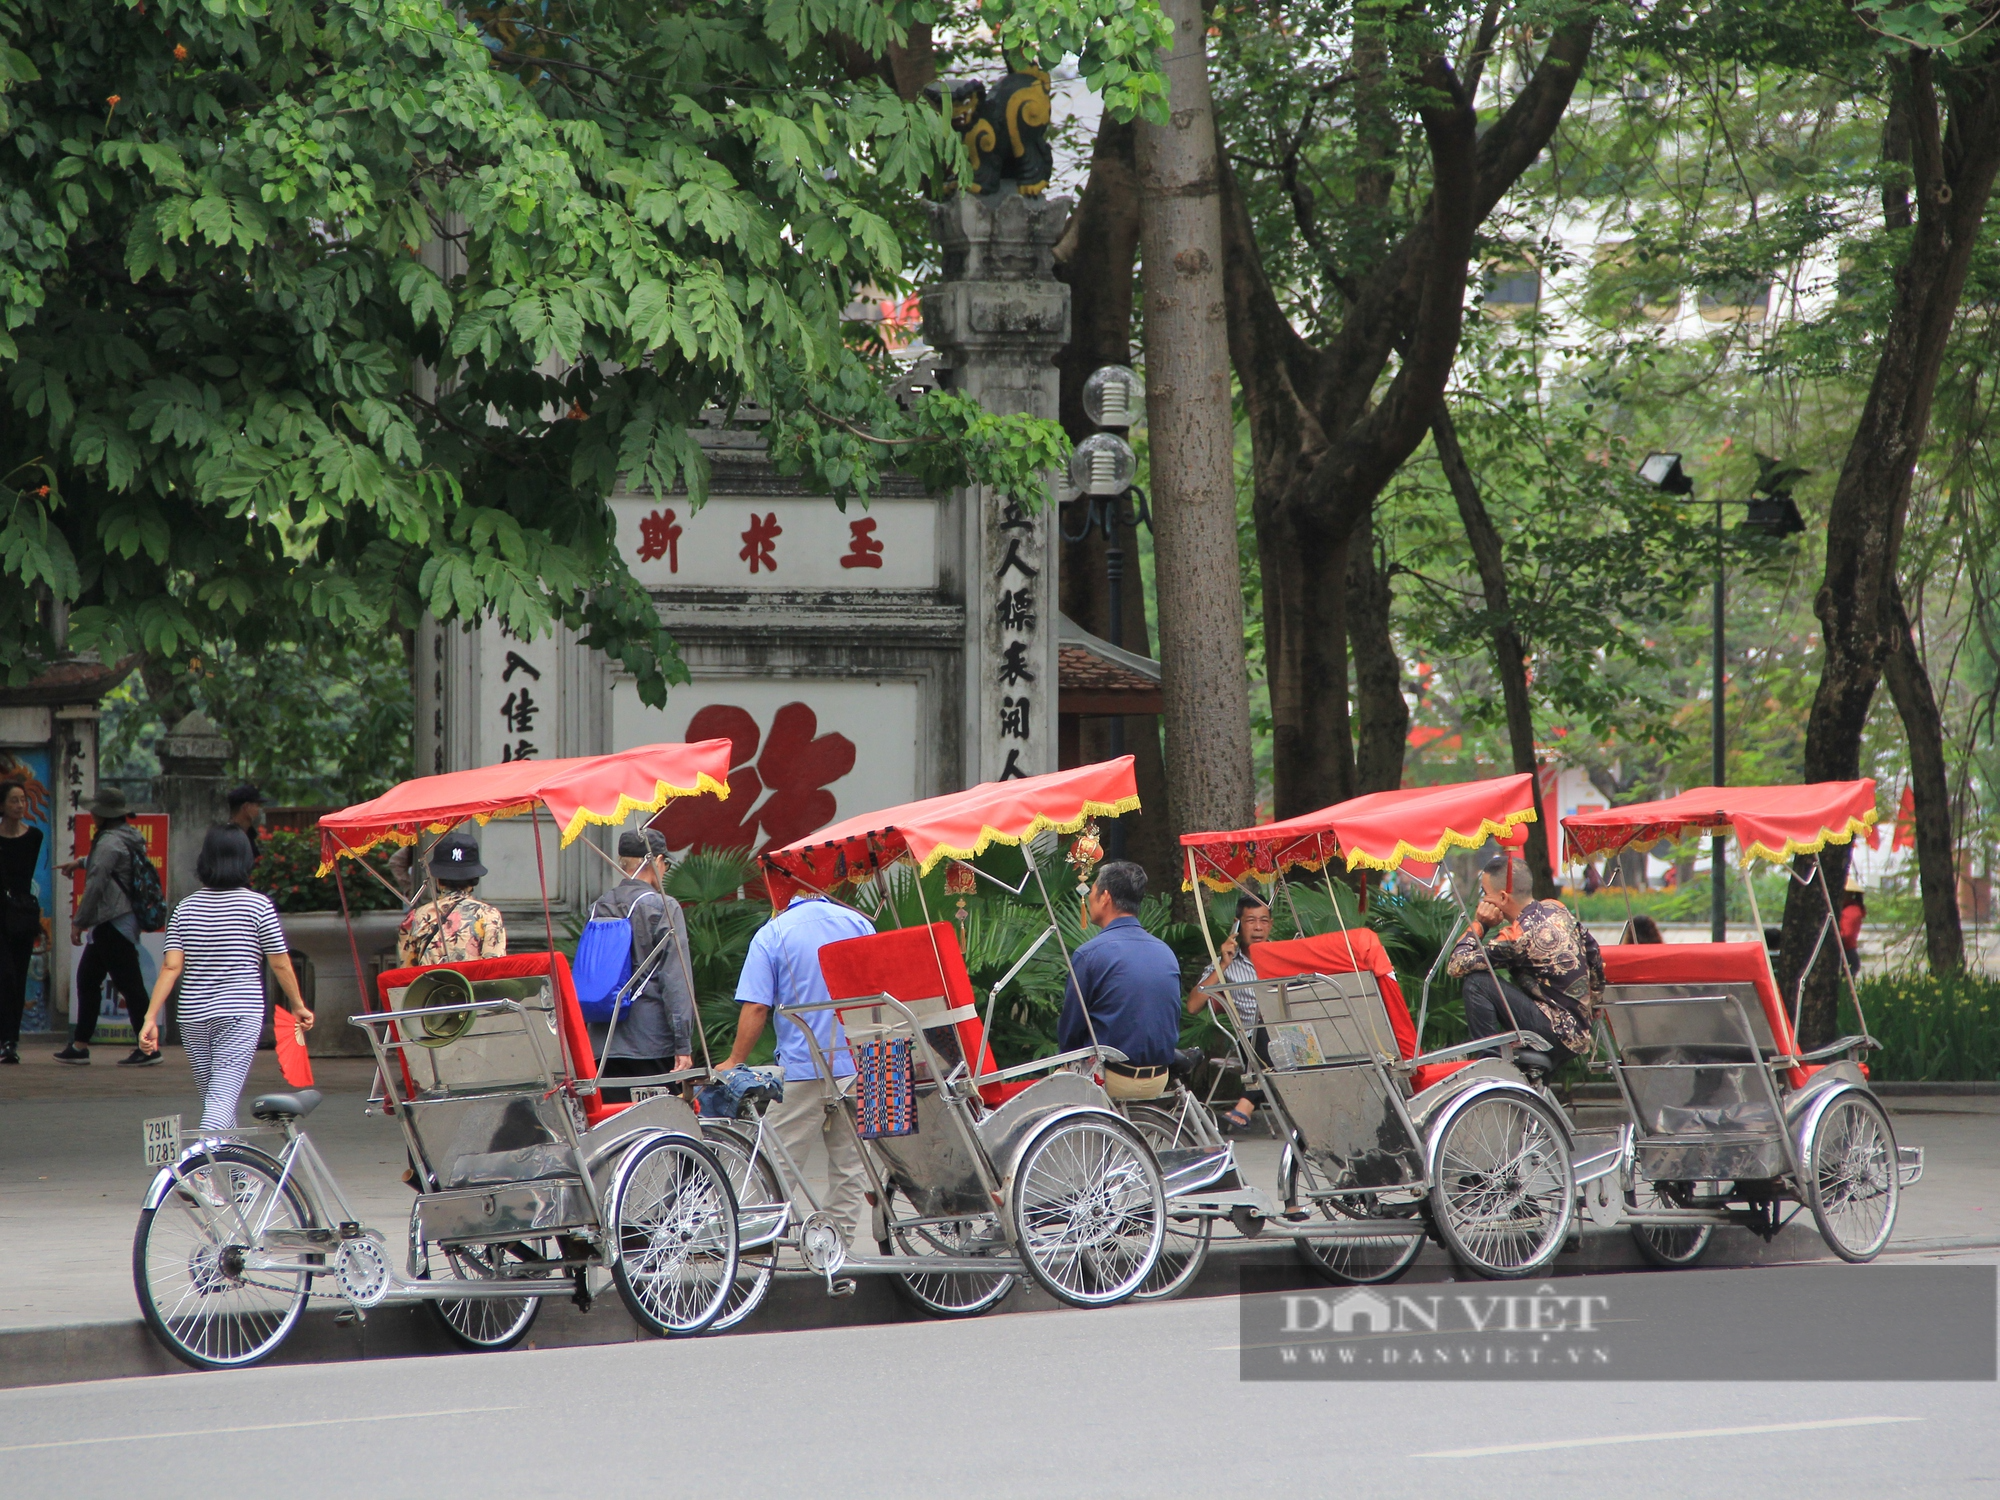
x: 456, y: 924
x: 1558, y: 973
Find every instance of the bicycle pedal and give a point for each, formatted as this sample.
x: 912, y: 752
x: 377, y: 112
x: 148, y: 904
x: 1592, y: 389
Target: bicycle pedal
x: 843, y: 1286
x: 351, y: 1317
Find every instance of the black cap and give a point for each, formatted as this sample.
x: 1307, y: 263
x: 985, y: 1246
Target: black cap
x: 456, y: 857
x: 638, y: 843
x: 245, y: 793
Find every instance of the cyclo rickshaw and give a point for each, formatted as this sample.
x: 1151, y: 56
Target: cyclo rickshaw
x: 1730, y: 1120
x: 526, y: 1179
x: 1385, y: 1144
x: 978, y: 1175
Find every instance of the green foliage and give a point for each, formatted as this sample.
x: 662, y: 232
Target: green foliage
x: 317, y: 317
x: 287, y: 872
x: 1933, y: 1028
x: 327, y: 725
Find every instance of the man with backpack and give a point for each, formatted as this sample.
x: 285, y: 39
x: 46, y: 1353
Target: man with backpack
x: 655, y: 1033
x: 121, y: 898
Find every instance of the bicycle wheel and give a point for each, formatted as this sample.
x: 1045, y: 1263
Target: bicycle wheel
x: 735, y: 1148
x: 945, y: 1294
x: 1674, y: 1246
x: 190, y: 1260
x: 1354, y: 1262
x: 1089, y: 1211
x: 674, y: 1217
x: 1184, y: 1244
x: 1502, y: 1194
x: 1851, y: 1182
x: 482, y: 1322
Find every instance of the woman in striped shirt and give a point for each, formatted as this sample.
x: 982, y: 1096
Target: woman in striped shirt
x: 218, y: 941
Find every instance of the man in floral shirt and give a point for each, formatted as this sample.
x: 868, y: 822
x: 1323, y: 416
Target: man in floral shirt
x: 1558, y: 973
x: 457, y: 924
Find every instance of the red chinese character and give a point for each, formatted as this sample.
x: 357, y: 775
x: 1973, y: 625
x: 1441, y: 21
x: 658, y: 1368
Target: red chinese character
x: 863, y: 551
x: 659, y: 537
x: 797, y: 766
x: 760, y: 541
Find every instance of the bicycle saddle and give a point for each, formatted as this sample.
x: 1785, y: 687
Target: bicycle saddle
x: 295, y: 1106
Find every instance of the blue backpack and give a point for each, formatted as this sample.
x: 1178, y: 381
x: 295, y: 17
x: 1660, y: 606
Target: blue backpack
x: 602, y: 967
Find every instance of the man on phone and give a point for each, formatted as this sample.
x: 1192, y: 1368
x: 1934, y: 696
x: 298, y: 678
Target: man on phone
x: 1557, y: 970
x: 1253, y: 925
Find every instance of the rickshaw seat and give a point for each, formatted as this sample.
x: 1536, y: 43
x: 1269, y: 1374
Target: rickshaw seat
x: 569, y: 1016
x: 1711, y: 963
x: 1354, y: 951
x: 914, y: 964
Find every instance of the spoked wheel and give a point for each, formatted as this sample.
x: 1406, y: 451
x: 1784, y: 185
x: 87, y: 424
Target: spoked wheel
x: 736, y: 1149
x: 482, y: 1322
x: 1851, y: 1182
x: 1184, y: 1245
x: 675, y: 1220
x: 1502, y: 1195
x: 1676, y: 1246
x: 1355, y: 1262
x: 1089, y: 1211
x: 189, y: 1260
x: 945, y: 1294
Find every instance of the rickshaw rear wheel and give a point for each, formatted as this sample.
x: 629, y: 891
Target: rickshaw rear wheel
x: 735, y: 1147
x: 944, y: 1294
x: 1852, y: 1185
x: 1502, y: 1191
x: 673, y: 1219
x: 1674, y: 1247
x: 193, y: 1289
x: 1356, y: 1262
x: 1089, y: 1210
x: 1184, y: 1246
x: 480, y: 1323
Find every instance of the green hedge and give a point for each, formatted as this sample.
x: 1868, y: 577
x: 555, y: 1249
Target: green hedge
x: 287, y: 873
x: 1933, y: 1029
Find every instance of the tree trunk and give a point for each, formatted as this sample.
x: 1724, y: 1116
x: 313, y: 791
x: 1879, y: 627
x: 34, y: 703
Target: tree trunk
x: 1330, y: 425
x: 1384, y: 729
x: 1923, y: 725
x: 1510, y: 654
x: 1204, y: 678
x: 1096, y: 257
x: 1952, y: 174
x: 1305, y: 667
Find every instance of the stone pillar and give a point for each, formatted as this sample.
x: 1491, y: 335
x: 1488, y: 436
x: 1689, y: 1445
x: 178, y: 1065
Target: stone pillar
x: 998, y: 320
x: 193, y: 793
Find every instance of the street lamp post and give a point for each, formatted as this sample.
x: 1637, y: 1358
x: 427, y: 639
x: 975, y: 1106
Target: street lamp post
x: 1102, y: 467
x: 1774, y: 515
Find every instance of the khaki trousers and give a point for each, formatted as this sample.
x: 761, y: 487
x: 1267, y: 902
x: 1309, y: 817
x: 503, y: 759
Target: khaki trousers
x: 1118, y: 1086
x: 803, y: 1118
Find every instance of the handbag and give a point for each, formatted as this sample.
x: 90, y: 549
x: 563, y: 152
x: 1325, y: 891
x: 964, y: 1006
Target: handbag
x: 20, y: 915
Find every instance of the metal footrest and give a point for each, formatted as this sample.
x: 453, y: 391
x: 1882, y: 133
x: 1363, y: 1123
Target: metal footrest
x: 1909, y: 1165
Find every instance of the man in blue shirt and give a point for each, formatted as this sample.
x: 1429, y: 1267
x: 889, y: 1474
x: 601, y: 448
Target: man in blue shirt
x: 1130, y: 983
x: 782, y: 969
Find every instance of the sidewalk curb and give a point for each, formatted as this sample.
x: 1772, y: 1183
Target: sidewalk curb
x: 797, y: 1303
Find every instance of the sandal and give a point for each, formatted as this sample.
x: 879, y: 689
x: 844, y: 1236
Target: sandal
x: 1231, y: 1122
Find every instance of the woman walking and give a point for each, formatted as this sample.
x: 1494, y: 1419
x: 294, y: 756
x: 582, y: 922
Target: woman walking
x: 218, y: 942
x: 20, y: 911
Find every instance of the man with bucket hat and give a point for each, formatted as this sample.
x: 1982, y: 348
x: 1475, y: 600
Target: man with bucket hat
x: 454, y: 924
x: 107, y: 924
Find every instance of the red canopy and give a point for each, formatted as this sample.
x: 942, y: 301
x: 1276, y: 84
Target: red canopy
x: 957, y: 826
x: 577, y: 791
x: 1378, y: 831
x: 1770, y: 822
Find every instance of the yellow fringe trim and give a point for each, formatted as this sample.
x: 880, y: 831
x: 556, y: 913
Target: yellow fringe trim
x: 1827, y: 836
x: 988, y: 837
x: 1487, y: 829
x: 663, y: 793
x: 1222, y: 885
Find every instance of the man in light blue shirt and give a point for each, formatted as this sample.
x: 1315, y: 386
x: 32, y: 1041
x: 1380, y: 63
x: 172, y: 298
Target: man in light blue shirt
x: 782, y: 969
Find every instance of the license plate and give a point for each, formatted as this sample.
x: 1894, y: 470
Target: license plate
x: 641, y: 1095
x: 162, y: 1139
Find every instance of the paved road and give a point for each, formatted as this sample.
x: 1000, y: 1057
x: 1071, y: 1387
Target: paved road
x: 1139, y: 1400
